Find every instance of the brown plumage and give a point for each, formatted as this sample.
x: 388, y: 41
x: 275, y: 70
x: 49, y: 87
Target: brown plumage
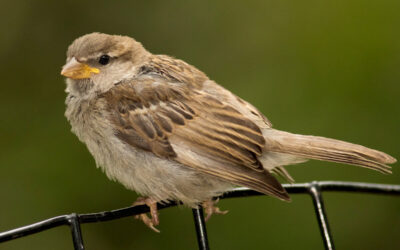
x: 217, y: 130
x: 162, y: 128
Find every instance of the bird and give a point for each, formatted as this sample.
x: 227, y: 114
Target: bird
x: 164, y: 129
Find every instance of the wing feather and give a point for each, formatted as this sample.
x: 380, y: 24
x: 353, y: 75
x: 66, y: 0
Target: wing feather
x: 181, y: 122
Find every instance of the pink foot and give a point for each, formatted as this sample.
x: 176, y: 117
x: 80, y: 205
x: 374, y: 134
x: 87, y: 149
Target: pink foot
x: 154, y: 221
x: 210, y: 209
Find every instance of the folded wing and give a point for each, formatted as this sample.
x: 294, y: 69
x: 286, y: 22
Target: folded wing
x: 193, y: 128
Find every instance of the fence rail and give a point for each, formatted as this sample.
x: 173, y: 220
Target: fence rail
x: 314, y: 189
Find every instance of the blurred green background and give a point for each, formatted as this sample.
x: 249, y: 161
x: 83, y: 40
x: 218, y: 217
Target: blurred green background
x: 328, y: 68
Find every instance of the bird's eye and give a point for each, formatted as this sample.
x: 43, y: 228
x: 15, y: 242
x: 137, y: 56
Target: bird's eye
x: 104, y: 59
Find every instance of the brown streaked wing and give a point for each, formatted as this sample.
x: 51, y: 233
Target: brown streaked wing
x: 151, y: 116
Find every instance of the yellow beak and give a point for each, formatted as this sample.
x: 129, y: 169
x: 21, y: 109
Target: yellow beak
x: 76, y: 70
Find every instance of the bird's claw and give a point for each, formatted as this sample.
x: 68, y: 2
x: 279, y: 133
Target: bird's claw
x: 154, y: 221
x: 210, y: 209
x: 147, y: 221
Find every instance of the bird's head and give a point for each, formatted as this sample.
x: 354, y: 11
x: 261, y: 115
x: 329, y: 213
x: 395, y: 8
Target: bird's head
x: 96, y: 61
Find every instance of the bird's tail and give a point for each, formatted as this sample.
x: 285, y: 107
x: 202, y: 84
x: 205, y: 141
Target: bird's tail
x: 325, y: 149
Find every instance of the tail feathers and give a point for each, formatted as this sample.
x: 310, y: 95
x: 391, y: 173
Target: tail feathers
x: 325, y: 149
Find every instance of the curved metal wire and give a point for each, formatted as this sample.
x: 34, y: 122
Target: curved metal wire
x: 314, y: 189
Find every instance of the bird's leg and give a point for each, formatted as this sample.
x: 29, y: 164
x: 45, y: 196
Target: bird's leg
x: 210, y: 209
x: 152, y: 204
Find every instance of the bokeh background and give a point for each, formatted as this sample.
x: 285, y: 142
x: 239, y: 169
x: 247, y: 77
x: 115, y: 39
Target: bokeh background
x: 328, y: 68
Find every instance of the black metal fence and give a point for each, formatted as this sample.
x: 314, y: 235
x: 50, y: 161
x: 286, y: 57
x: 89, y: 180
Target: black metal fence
x: 314, y: 189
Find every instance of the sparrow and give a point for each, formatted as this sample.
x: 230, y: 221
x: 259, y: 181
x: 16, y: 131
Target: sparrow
x: 162, y: 128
